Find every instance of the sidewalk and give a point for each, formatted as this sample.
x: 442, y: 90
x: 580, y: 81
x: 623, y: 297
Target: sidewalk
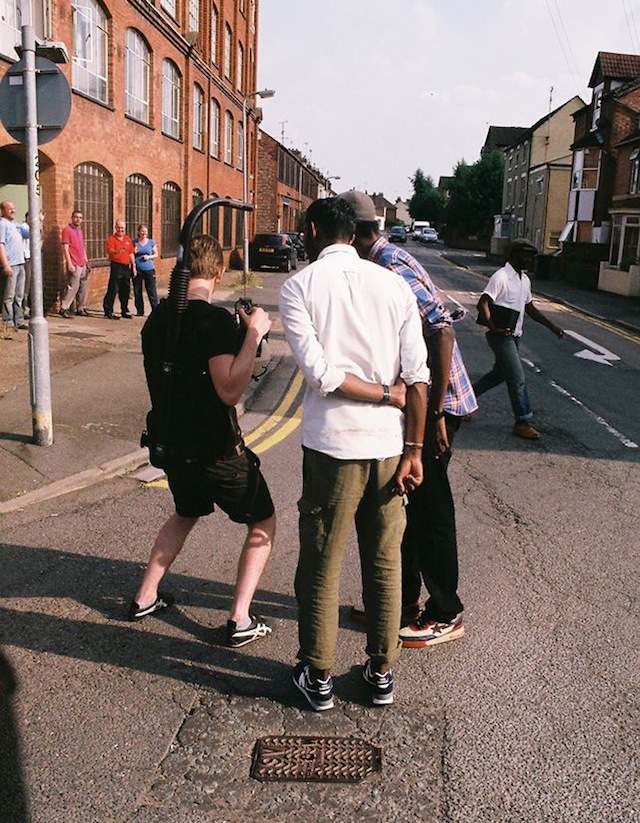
x: 623, y: 312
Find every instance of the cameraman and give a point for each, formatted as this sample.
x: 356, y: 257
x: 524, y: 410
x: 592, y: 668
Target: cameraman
x: 208, y: 462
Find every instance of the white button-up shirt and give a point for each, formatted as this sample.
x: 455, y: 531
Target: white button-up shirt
x: 343, y: 315
x: 507, y: 288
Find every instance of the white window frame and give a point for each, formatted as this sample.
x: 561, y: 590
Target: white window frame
x: 90, y: 50
x: 171, y: 98
x: 170, y: 7
x: 198, y: 117
x: 10, y: 27
x: 137, y: 74
x: 240, y: 147
x: 228, y: 38
x: 240, y: 67
x: 193, y: 15
x: 228, y: 137
x: 214, y: 129
x: 215, y: 19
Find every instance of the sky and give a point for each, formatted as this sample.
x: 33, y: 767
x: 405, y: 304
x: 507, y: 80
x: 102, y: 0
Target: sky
x: 372, y: 90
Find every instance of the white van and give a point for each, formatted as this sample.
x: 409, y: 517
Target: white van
x: 418, y: 225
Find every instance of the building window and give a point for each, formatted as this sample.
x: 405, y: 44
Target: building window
x: 227, y: 226
x: 228, y: 137
x: 171, y: 211
x: 241, y: 6
x: 214, y: 34
x: 227, y: 51
x: 252, y: 15
x: 170, y: 7
x: 193, y: 16
x: 586, y: 168
x: 90, y: 48
x: 539, y: 185
x: 138, y: 196
x: 635, y: 169
x: 137, y: 69
x: 240, y: 146
x: 239, y: 226
x: 240, y: 68
x: 10, y: 34
x: 171, y: 88
x: 214, y: 219
x: 597, y: 107
x: 214, y: 129
x: 197, y: 197
x: 198, y: 117
x: 93, y: 196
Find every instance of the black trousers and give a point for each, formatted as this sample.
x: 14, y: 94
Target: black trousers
x: 120, y: 284
x: 429, y: 545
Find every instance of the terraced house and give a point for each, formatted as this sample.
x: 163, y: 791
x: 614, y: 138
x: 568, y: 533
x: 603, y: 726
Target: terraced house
x: 156, y: 123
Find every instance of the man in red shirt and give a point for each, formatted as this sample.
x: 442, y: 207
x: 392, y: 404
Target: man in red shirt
x: 121, y: 253
x: 76, y: 266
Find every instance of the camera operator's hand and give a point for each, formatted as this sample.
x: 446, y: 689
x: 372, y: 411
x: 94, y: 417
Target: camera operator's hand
x: 257, y: 320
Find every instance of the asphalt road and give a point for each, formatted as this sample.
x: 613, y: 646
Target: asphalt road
x: 531, y: 717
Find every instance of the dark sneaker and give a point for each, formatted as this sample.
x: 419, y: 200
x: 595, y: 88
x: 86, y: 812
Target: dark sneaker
x: 319, y: 693
x: 66, y: 314
x: 240, y: 637
x: 82, y: 312
x: 126, y: 315
x: 162, y: 601
x: 426, y: 632
x: 381, y: 685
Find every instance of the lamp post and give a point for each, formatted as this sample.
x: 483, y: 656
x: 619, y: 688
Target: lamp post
x: 328, y: 180
x: 245, y: 179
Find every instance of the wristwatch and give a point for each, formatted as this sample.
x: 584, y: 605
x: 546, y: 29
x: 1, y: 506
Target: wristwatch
x: 437, y: 414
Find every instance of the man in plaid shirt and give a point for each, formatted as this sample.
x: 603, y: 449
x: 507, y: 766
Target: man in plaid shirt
x: 429, y: 547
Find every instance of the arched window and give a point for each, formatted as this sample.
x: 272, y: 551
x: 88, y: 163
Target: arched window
x: 227, y: 226
x: 214, y: 129
x: 240, y: 68
x: 137, y: 71
x: 227, y: 51
x: 93, y: 196
x: 198, y: 117
x: 138, y: 203
x: 240, y: 146
x: 171, y: 96
x: 228, y: 137
x: 171, y: 218
x: 214, y: 33
x: 214, y: 219
x: 90, y: 49
x: 197, y: 197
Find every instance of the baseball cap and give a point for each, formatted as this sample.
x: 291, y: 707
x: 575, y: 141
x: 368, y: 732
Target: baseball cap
x: 361, y: 203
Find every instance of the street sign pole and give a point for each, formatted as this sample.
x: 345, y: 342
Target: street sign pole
x: 39, y: 361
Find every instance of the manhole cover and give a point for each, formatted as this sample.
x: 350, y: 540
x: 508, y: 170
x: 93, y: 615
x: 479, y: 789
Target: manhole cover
x: 78, y: 335
x: 320, y: 759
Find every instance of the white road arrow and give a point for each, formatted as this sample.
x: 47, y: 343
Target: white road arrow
x: 599, y: 354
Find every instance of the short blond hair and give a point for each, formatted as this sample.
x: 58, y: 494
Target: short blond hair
x: 205, y: 257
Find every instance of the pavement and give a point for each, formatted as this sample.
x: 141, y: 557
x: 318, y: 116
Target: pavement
x: 98, y: 390
x: 83, y: 671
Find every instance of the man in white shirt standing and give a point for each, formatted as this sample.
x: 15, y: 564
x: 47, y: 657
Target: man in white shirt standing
x: 356, y: 334
x: 510, y: 288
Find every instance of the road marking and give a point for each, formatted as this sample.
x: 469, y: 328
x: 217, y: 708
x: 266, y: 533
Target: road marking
x: 599, y: 353
x: 281, y: 412
x: 624, y: 440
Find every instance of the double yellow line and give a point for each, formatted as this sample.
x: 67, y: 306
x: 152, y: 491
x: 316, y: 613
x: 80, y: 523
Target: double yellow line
x: 285, y: 419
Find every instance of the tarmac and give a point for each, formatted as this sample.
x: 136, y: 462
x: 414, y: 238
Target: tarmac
x: 95, y: 421
x: 98, y: 392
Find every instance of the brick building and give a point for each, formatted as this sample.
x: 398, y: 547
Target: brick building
x: 156, y: 122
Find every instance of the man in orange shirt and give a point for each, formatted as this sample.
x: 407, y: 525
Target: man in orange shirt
x: 121, y: 253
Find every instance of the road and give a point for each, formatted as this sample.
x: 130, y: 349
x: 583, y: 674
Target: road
x: 531, y: 717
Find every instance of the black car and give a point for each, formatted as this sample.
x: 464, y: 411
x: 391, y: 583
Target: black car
x: 296, y: 239
x: 398, y: 234
x: 275, y: 251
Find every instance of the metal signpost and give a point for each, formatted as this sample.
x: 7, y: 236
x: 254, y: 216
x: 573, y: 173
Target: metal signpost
x: 35, y: 88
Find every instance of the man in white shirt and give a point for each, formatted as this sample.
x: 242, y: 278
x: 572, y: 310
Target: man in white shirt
x: 356, y: 335
x: 510, y: 288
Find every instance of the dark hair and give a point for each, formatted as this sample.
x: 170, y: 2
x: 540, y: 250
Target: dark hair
x: 518, y: 247
x: 334, y: 219
x: 367, y: 229
x: 205, y: 257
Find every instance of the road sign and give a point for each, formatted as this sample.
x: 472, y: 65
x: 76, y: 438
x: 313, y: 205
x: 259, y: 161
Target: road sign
x: 53, y: 101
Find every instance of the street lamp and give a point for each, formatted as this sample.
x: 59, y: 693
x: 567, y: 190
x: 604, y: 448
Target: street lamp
x: 264, y: 93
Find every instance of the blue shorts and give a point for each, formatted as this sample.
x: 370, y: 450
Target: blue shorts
x: 235, y: 484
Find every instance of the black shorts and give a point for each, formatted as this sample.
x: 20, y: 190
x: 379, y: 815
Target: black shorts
x: 235, y: 484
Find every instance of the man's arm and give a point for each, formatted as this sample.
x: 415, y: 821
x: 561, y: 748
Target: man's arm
x: 539, y: 317
x: 357, y: 389
x: 230, y: 375
x: 440, y: 348
x: 409, y: 472
x: 6, y: 268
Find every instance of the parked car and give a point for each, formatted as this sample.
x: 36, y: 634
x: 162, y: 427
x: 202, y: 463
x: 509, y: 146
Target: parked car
x: 417, y: 227
x: 296, y: 239
x: 275, y: 251
x: 398, y: 234
x: 428, y: 235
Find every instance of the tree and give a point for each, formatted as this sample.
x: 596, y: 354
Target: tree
x: 475, y: 196
x: 427, y: 202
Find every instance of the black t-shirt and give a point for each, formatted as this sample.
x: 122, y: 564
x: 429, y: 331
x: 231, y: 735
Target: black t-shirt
x: 201, y: 425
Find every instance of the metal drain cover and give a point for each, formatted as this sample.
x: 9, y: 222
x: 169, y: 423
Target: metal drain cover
x: 318, y: 759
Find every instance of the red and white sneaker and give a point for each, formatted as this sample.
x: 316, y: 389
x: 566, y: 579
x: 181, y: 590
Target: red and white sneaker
x: 425, y: 632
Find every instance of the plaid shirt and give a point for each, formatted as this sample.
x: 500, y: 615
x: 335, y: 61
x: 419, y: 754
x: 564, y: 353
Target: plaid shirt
x: 459, y: 398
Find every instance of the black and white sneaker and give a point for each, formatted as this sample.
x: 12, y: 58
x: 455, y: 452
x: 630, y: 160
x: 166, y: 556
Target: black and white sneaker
x: 162, y: 601
x: 381, y: 685
x: 240, y: 637
x: 319, y: 693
